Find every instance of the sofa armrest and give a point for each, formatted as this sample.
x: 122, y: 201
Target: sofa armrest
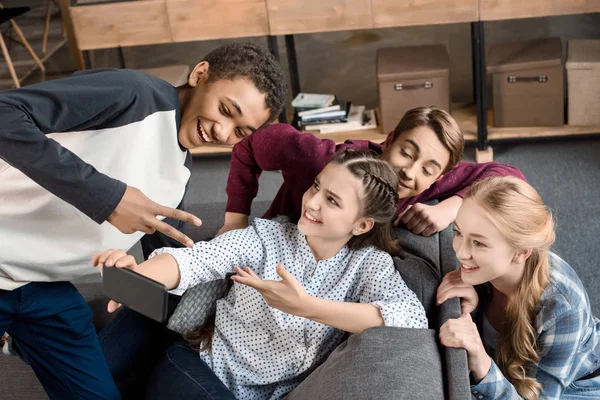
x: 455, y: 360
x: 379, y: 363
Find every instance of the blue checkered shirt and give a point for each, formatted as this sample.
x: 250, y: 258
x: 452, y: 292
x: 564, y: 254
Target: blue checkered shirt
x: 568, y: 340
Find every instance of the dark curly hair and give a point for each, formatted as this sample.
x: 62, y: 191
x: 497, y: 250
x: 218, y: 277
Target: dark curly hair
x: 254, y: 62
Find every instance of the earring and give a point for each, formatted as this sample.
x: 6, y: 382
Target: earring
x: 355, y: 233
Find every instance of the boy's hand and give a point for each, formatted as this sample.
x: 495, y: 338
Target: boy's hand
x: 233, y: 221
x: 113, y: 258
x: 453, y: 286
x: 426, y: 220
x: 286, y: 295
x: 136, y: 212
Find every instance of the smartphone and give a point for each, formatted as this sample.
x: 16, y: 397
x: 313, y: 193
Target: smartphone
x: 138, y: 292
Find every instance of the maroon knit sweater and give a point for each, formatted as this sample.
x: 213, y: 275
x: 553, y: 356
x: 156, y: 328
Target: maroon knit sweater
x: 301, y: 156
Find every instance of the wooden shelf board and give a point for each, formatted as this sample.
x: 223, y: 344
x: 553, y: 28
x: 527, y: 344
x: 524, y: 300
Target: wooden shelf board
x: 465, y: 115
x: 374, y: 135
x: 211, y: 150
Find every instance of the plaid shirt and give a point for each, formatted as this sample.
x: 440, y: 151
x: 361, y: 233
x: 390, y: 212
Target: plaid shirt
x: 568, y: 341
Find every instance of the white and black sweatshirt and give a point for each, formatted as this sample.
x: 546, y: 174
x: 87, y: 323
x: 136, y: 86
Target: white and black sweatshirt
x: 68, y: 148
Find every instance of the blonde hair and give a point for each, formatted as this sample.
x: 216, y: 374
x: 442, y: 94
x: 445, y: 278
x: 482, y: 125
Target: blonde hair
x: 439, y: 121
x: 517, y: 211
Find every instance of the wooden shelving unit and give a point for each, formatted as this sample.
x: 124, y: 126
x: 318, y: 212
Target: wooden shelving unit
x: 465, y: 115
x: 374, y: 135
x: 211, y: 150
x: 114, y: 25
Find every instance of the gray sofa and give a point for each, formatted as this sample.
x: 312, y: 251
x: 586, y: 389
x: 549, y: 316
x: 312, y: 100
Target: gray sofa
x: 380, y: 363
x: 394, y: 363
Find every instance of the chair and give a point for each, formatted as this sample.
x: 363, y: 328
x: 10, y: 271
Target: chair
x: 50, y: 4
x: 7, y: 15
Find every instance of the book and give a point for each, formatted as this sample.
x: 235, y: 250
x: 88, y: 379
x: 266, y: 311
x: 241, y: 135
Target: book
x: 312, y: 100
x: 324, y: 121
x: 358, y: 119
x: 335, y: 114
x: 328, y: 114
x: 312, y: 111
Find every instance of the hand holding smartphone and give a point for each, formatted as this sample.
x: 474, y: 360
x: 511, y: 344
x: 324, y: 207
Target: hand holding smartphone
x: 136, y: 291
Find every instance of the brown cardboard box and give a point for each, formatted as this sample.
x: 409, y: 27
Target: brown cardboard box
x: 583, y: 82
x: 527, y: 83
x: 410, y: 77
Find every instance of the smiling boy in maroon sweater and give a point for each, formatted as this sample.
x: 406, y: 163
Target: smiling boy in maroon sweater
x: 425, y: 149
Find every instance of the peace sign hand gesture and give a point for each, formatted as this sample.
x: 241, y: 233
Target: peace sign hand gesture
x: 136, y: 212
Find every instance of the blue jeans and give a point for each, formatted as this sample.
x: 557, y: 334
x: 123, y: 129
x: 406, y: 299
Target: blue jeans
x: 52, y: 325
x: 181, y: 374
x: 133, y: 345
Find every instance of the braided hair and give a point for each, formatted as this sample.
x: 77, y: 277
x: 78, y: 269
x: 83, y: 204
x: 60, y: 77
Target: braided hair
x: 378, y: 198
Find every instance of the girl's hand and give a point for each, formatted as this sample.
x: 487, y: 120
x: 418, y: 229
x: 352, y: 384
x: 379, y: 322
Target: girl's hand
x: 286, y: 295
x: 462, y: 333
x: 113, y: 258
x: 453, y: 286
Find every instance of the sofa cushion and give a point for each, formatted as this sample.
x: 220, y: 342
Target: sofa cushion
x: 380, y: 363
x: 419, y: 264
x: 422, y: 278
x: 197, y: 305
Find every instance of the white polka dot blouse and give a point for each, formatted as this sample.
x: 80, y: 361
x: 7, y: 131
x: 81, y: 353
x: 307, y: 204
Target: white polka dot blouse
x: 259, y: 352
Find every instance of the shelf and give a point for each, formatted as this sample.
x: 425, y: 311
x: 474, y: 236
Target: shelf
x: 465, y: 115
x: 206, y: 150
x: 374, y: 135
x: 102, y: 24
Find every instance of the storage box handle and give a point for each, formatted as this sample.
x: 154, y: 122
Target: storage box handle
x: 424, y: 85
x: 539, y: 78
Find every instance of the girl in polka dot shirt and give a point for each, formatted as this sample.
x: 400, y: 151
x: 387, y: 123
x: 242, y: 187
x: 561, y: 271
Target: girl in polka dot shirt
x: 298, y: 289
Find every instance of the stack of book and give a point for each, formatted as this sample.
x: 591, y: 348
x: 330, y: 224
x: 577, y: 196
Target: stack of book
x: 326, y: 114
x: 312, y: 109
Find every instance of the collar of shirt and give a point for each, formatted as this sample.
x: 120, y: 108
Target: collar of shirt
x: 314, y: 269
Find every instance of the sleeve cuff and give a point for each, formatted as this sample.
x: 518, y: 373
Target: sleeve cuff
x: 112, y: 202
x: 489, y: 385
x: 185, y: 279
x: 404, y: 318
x: 239, y: 204
x: 462, y: 193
